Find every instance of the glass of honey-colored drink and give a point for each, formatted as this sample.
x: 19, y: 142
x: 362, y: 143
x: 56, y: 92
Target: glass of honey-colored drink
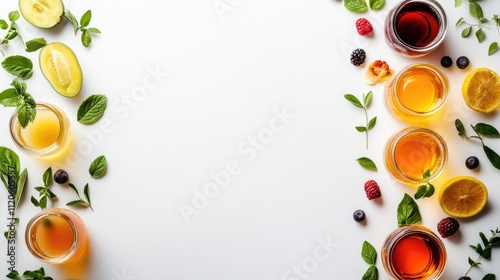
x: 47, y: 136
x: 416, y: 155
x: 56, y: 235
x: 417, y: 92
x: 414, y: 252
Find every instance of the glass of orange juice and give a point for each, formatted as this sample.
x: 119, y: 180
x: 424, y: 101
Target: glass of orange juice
x: 414, y: 252
x: 56, y: 235
x: 414, y: 151
x: 47, y: 136
x: 417, y: 92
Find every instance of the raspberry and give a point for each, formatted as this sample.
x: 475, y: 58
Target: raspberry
x: 447, y: 227
x: 363, y: 26
x: 358, y: 57
x: 372, y: 190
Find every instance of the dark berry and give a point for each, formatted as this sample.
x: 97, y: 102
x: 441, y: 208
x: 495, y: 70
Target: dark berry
x: 363, y: 26
x: 358, y: 57
x: 446, y: 61
x: 464, y: 278
x: 447, y: 227
x: 372, y: 190
x: 462, y: 62
x: 61, y: 176
x: 472, y: 162
x: 359, y: 215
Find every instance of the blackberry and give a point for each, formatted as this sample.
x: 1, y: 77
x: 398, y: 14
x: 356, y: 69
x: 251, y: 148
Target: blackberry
x: 447, y: 227
x: 359, y: 215
x: 462, y: 62
x: 446, y: 61
x: 358, y: 57
x: 61, y: 176
x: 472, y: 162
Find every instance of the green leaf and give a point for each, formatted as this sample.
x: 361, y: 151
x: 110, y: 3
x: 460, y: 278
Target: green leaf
x: 26, y: 110
x: 367, y: 163
x: 372, y: 123
x: 371, y: 273
x: 459, y: 21
x: 367, y: 99
x: 360, y: 128
x: 472, y: 263
x: 3, y: 24
x: 78, y: 202
x: 376, y: 4
x: 13, y: 16
x: 86, y: 192
x: 354, y: 100
x: 86, y: 38
x: 21, y: 183
x: 356, y: 6
x: 18, y: 66
x: 47, y: 177
x: 430, y: 191
x: 35, y: 44
x: 72, y: 19
x: 35, y: 202
x: 493, y: 48
x: 98, y: 167
x: 480, y: 35
x: 492, y: 156
x: 427, y: 174
x: 368, y: 253
x: 85, y: 20
x: 475, y: 10
x: 466, y: 31
x: 408, y: 212
x: 94, y: 30
x: 460, y: 127
x: 74, y: 188
x: 422, y: 189
x: 92, y: 109
x: 43, y: 202
x: 9, y: 160
x: 458, y: 3
x: 489, y: 276
x: 486, y: 130
x: 9, y: 97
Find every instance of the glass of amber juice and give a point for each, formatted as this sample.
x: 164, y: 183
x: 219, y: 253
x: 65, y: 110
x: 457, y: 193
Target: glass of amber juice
x: 413, y: 152
x: 56, y: 235
x: 414, y: 252
x: 415, y: 27
x: 417, y: 92
x: 46, y: 136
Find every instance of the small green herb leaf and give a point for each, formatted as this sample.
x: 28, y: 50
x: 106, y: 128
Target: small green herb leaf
x: 458, y: 3
x: 426, y: 174
x: 72, y: 19
x: 372, y: 123
x: 47, y: 177
x: 360, y: 128
x: 13, y: 16
x: 9, y: 161
x: 86, y: 38
x: 21, y: 183
x: 368, y: 253
x: 475, y: 10
x: 408, y: 212
x: 489, y: 276
x: 486, y: 130
x: 18, y: 66
x: 35, y: 44
x: 376, y: 4
x: 422, y: 189
x: 493, y: 48
x: 459, y: 21
x: 85, y: 20
x: 98, y: 167
x: 78, y: 202
x: 460, y: 128
x: 367, y: 163
x: 492, y: 156
x: 356, y: 6
x: 3, y: 24
x: 367, y: 99
x: 92, y: 109
x: 480, y: 35
x: 9, y: 97
x: 466, y: 31
x: 371, y: 273
x: 354, y: 100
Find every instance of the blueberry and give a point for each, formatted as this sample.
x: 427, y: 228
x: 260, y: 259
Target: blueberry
x: 359, y: 215
x: 464, y: 278
x: 61, y: 176
x: 446, y: 61
x: 472, y: 162
x: 462, y: 62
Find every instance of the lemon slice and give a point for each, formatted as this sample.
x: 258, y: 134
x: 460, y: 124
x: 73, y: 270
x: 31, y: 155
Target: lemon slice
x: 463, y: 196
x: 481, y: 90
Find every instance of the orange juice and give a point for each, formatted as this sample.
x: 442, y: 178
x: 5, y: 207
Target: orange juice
x: 56, y: 235
x: 417, y: 93
x: 43, y: 131
x: 412, y: 152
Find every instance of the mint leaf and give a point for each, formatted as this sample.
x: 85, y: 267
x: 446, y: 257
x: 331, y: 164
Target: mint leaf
x: 13, y: 16
x: 480, y: 35
x: 493, y: 48
x: 85, y: 20
x: 18, y: 66
x: 9, y: 97
x: 408, y: 212
x: 475, y: 10
x: 35, y: 44
x: 356, y: 6
x: 92, y: 109
x: 47, y: 177
x: 422, y: 189
x: 368, y: 253
x: 376, y: 4
x: 98, y: 167
x: 9, y: 160
x: 371, y: 273
x: 367, y: 163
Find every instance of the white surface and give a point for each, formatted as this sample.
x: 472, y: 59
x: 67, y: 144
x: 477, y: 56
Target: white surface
x: 228, y: 75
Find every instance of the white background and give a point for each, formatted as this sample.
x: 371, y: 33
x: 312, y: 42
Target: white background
x: 221, y: 76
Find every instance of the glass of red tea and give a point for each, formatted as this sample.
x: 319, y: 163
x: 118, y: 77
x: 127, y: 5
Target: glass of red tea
x: 415, y: 28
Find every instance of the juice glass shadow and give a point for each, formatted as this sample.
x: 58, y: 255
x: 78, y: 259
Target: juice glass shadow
x: 415, y: 28
x: 414, y: 252
x: 47, y: 136
x: 417, y: 93
x: 56, y: 235
x: 413, y: 152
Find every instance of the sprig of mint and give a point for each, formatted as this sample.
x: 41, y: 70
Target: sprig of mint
x: 367, y: 163
x: 481, y: 129
x: 426, y: 190
x: 476, y: 11
x: 369, y: 123
x: 369, y: 255
x: 484, y: 250
x: 44, y: 192
x: 18, y: 97
x: 92, y: 109
x: 11, y: 28
x: 360, y: 6
x: 98, y: 167
x: 81, y: 202
x: 19, y: 66
x: 38, y: 274
x: 408, y: 212
x: 83, y: 26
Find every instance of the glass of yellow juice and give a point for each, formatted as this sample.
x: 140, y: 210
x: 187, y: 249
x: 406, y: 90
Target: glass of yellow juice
x: 56, y: 235
x: 48, y: 135
x: 414, y: 252
x: 413, y: 152
x: 417, y: 92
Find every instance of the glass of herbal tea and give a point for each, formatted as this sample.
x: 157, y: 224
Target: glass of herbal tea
x: 414, y: 252
x: 415, y: 28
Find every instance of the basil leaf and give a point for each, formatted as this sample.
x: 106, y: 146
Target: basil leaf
x: 18, y: 66
x: 35, y: 44
x: 86, y: 38
x: 47, y: 177
x: 354, y: 100
x: 486, y: 130
x: 493, y: 157
x: 459, y: 21
x: 408, y: 212
x: 13, y: 16
x: 26, y: 111
x: 9, y: 160
x: 94, y: 30
x: 85, y: 20
x: 368, y: 253
x: 98, y: 167
x: 376, y: 4
x: 422, y: 189
x: 475, y: 10
x: 493, y: 48
x: 21, y: 183
x: 3, y: 24
x: 466, y: 32
x: 9, y: 97
x: 367, y: 163
x: 371, y: 273
x: 72, y: 19
x: 480, y: 35
x: 356, y: 6
x: 92, y: 109
x: 460, y: 127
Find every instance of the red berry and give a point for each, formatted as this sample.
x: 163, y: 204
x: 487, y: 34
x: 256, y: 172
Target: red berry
x: 372, y: 190
x: 363, y: 26
x: 447, y: 227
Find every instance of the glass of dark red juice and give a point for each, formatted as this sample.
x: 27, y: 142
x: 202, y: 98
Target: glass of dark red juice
x: 415, y: 28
